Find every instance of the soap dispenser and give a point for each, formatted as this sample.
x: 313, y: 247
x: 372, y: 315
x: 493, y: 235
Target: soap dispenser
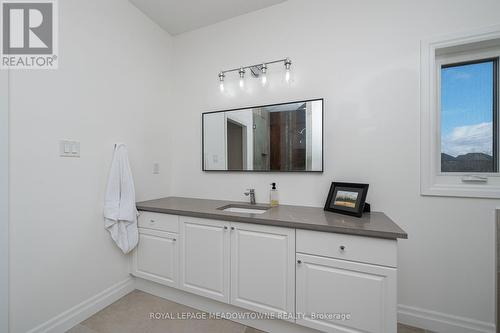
x: 274, y: 199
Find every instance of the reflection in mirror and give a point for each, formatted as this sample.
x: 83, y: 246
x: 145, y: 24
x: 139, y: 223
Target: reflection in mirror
x: 281, y: 137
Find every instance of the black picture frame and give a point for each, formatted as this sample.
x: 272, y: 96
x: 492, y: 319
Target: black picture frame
x: 355, y: 196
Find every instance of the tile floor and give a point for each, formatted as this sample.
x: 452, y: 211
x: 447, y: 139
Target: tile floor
x: 130, y: 314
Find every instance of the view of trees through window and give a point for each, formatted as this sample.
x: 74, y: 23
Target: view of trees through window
x: 468, y: 117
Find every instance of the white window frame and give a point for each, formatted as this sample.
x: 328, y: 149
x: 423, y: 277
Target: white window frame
x: 434, y: 53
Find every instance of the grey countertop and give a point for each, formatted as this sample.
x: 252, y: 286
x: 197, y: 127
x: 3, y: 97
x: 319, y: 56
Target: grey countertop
x: 374, y: 224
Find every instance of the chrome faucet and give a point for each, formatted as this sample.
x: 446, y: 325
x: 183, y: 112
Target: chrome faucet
x: 251, y: 193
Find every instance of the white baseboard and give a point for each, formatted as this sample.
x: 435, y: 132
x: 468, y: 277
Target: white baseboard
x: 441, y: 322
x: 417, y: 317
x: 66, y: 320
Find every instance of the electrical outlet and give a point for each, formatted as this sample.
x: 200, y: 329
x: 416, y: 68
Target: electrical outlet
x: 156, y: 168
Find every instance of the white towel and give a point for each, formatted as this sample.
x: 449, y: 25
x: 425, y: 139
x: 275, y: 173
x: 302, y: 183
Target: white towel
x: 120, y: 213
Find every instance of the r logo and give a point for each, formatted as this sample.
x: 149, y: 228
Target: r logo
x: 27, y: 28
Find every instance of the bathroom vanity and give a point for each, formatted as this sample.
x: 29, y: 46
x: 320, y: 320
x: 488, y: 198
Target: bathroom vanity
x: 317, y: 269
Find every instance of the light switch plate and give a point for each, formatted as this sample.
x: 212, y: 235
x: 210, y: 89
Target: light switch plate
x: 69, y: 148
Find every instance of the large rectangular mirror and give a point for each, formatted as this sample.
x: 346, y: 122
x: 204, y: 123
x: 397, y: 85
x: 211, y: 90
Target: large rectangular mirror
x: 279, y: 137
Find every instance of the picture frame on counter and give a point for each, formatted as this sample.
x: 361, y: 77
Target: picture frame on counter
x: 347, y: 198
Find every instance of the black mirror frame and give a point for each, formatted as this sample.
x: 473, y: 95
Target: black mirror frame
x: 261, y: 106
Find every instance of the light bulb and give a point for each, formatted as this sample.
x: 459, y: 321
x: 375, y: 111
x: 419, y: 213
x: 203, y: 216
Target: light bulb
x: 288, y: 63
x: 287, y: 76
x: 263, y: 68
x: 221, y: 81
x: 242, y: 77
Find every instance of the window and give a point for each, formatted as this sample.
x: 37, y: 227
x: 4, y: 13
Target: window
x: 468, y: 117
x: 460, y: 115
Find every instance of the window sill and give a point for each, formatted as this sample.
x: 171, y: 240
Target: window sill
x: 462, y: 190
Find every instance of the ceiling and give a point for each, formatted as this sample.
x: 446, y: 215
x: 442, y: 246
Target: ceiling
x: 178, y: 16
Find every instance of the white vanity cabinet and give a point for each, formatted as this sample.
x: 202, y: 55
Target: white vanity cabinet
x: 346, y: 283
x: 204, y: 258
x: 247, y: 265
x: 263, y: 268
x: 332, y: 282
x: 156, y: 257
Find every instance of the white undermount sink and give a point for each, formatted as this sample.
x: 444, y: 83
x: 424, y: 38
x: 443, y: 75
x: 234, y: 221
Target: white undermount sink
x: 240, y: 209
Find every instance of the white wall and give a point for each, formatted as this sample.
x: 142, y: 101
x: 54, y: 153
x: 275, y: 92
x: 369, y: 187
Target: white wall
x: 112, y: 85
x: 215, y: 143
x: 363, y: 58
x: 4, y: 200
x: 245, y: 118
x: 316, y: 135
x: 215, y: 127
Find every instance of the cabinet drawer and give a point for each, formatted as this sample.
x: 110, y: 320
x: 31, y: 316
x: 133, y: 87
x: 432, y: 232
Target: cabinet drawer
x: 364, y: 292
x: 348, y: 247
x: 157, y: 221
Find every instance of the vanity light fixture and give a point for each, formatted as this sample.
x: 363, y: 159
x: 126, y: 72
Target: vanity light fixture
x: 259, y: 70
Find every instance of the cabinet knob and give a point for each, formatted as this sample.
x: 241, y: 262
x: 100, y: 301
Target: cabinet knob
x: 342, y: 247
x: 232, y: 228
x: 299, y: 261
x: 225, y: 227
x: 174, y: 239
x: 152, y: 221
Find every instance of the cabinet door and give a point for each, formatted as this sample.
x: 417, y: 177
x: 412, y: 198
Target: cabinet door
x: 329, y: 288
x: 205, y: 258
x: 156, y: 257
x: 263, y: 268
